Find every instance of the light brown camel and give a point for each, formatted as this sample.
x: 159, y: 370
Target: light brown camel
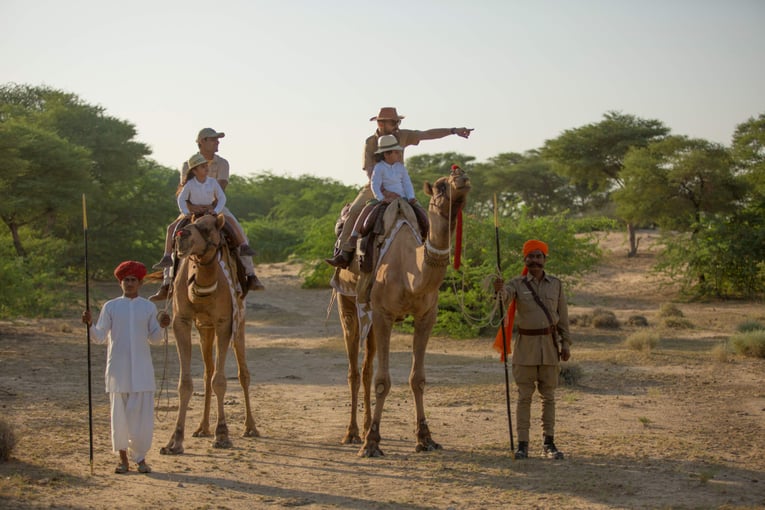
x: 203, y: 294
x: 406, y: 282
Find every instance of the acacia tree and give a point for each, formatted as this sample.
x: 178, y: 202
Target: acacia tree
x: 748, y: 151
x: 526, y: 182
x: 675, y: 181
x: 592, y: 156
x: 63, y: 147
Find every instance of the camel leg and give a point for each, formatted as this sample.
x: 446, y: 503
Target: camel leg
x: 367, y: 371
x: 206, y: 339
x: 350, y: 324
x: 382, y: 326
x: 182, y: 332
x: 222, y: 342
x: 422, y: 329
x: 243, y: 372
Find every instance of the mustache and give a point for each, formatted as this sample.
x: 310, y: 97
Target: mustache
x: 533, y: 264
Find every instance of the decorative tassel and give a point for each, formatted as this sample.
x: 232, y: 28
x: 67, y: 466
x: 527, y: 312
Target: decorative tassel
x: 458, y: 243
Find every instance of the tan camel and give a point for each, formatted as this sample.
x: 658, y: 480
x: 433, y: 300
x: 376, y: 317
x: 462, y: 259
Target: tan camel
x: 406, y: 282
x: 203, y: 293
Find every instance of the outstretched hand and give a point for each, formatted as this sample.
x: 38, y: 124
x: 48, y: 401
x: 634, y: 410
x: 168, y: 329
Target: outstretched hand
x: 499, y: 284
x: 463, y: 132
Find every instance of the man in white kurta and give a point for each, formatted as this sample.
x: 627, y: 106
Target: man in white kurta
x: 129, y: 323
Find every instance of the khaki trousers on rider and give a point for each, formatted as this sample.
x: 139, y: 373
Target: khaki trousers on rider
x: 545, y: 379
x: 357, y: 206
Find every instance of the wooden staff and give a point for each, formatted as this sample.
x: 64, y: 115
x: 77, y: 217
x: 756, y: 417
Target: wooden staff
x: 87, y: 327
x: 502, y: 326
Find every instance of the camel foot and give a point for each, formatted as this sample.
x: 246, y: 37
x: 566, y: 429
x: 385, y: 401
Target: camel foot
x: 253, y: 432
x: 171, y: 449
x: 370, y: 450
x: 427, y: 445
x: 351, y: 439
x: 222, y: 442
x: 200, y: 432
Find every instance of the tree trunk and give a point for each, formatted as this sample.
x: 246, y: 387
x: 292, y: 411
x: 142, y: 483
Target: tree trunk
x: 20, y: 251
x: 633, y: 242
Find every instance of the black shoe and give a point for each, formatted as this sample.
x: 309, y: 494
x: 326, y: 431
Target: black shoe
x: 167, y: 261
x: 523, y: 450
x: 341, y: 260
x: 550, y: 451
x: 162, y: 294
x: 246, y: 251
x: 253, y: 283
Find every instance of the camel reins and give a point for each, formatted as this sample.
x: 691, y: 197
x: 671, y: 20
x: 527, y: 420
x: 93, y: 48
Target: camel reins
x: 198, y: 260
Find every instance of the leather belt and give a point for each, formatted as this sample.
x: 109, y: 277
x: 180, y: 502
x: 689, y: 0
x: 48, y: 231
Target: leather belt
x: 535, y: 332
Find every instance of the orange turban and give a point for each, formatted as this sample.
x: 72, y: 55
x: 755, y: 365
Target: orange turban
x: 532, y: 245
x: 505, y: 332
x: 130, y: 268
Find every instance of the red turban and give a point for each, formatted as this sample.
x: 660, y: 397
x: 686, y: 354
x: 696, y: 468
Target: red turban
x: 532, y: 245
x: 130, y: 268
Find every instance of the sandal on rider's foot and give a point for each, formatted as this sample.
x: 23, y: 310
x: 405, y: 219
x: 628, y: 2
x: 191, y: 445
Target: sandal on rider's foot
x: 144, y: 468
x: 121, y: 469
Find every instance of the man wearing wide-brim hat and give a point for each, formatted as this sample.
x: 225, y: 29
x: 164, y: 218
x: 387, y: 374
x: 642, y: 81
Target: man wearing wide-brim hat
x: 388, y: 121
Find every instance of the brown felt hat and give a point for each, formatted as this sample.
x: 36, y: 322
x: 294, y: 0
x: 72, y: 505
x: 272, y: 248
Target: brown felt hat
x: 387, y: 113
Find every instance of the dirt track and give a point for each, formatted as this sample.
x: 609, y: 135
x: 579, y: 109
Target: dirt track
x: 672, y: 428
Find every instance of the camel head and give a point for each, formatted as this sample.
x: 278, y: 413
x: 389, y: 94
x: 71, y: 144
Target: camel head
x: 448, y: 194
x: 200, y: 236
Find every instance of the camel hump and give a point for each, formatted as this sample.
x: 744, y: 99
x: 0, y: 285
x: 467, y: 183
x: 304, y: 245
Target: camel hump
x: 397, y: 210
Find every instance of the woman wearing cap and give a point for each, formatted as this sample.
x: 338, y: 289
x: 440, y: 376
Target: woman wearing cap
x: 129, y: 323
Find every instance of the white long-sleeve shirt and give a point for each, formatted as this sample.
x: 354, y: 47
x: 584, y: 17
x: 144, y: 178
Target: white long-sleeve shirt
x: 201, y: 193
x: 129, y: 324
x: 392, y: 178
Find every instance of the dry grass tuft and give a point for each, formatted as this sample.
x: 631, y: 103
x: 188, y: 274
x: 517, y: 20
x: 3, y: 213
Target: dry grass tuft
x: 751, y: 343
x: 677, y: 323
x: 7, y: 440
x: 604, y: 319
x: 637, y: 320
x: 721, y: 352
x: 670, y: 310
x: 643, y: 341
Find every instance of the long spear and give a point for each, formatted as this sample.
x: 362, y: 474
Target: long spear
x: 87, y: 327
x: 502, y: 327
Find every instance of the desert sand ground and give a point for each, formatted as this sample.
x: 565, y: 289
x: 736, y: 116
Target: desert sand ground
x: 677, y: 427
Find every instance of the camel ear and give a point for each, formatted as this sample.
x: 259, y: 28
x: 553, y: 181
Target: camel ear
x: 220, y: 220
x: 427, y: 188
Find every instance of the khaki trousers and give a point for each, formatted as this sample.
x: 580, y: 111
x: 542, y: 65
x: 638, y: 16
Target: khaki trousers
x: 357, y: 206
x: 545, y: 379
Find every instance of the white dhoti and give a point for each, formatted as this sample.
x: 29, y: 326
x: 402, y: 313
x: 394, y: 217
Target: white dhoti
x: 132, y: 423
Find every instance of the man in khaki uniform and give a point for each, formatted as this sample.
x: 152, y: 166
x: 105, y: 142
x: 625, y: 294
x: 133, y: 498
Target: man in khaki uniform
x: 388, y: 121
x: 208, y: 141
x: 543, y: 341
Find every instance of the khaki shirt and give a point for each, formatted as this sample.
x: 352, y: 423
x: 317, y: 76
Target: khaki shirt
x: 219, y: 169
x: 405, y: 138
x: 538, y: 349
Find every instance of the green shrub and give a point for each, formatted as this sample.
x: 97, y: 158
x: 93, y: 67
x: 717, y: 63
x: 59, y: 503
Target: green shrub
x: 747, y: 326
x: 751, y: 343
x: 570, y: 374
x: 7, y: 440
x: 642, y: 341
